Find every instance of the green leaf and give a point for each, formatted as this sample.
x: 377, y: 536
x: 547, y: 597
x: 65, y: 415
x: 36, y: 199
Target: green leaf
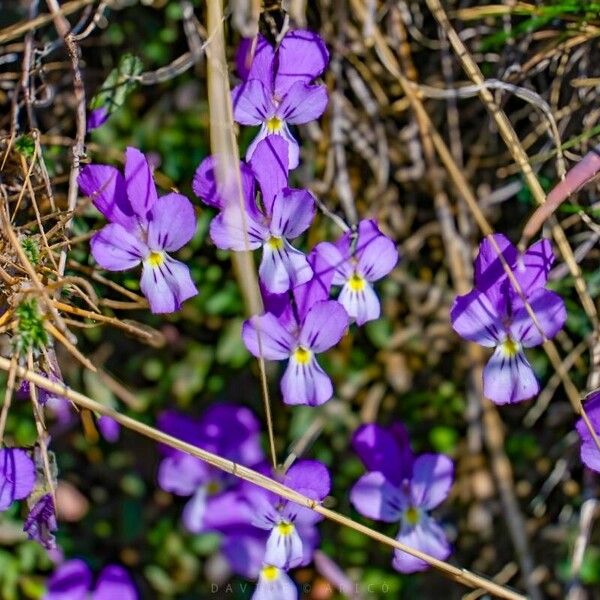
x: 119, y: 84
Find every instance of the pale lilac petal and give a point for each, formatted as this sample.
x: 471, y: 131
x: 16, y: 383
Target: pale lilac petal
x: 303, y: 103
x: 302, y: 56
x: 432, y: 479
x: 269, y: 162
x: 109, y: 428
x: 105, y: 186
x: 172, y: 223
x: 305, y: 383
x: 551, y: 315
x: 115, y: 583
x: 374, y: 496
x: 17, y: 476
x: 283, y: 267
x: 275, y: 343
x: 115, y: 249
x: 96, y: 118
x: 376, y: 253
x: 141, y: 190
x: 166, y: 286
x: 182, y: 474
x: 228, y: 512
x: 324, y: 325
x: 426, y: 536
x: 361, y: 305
x: 252, y: 103
x: 284, y: 548
x: 233, y: 229
x: 258, y: 59
x: 194, y: 511
x: 533, y: 267
x: 245, y: 552
x: 509, y: 378
x: 293, y: 147
x: 70, y: 581
x: 475, y: 318
x: 336, y: 259
x: 590, y: 455
x: 385, y: 450
x: 309, y: 477
x: 488, y: 266
x: 274, y: 584
x: 293, y: 212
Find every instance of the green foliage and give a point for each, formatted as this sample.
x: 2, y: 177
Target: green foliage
x: 120, y: 82
x: 25, y: 144
x: 30, y: 334
x: 31, y: 249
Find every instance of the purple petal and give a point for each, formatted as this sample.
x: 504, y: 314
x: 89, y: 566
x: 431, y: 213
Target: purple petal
x: 293, y: 212
x: 141, y: 190
x: 269, y: 162
x: 106, y: 188
x: 309, y: 477
x: 41, y: 522
x: 167, y: 285
x: 70, y: 581
x: 274, y: 584
x: 172, y: 223
x: 337, y: 259
x: 488, y: 267
x: 432, y: 479
x: 252, y: 103
x: 475, y: 318
x: 303, y: 103
x: 115, y: 249
x: 114, y: 582
x: 195, y: 511
x: 181, y: 426
x: 282, y: 267
x: 551, y: 314
x: 281, y: 306
x: 96, y: 118
x: 376, y: 497
x: 302, y: 56
x: 533, y: 267
x: 360, y: 304
x: 376, y: 253
x: 305, y: 383
x: 293, y: 147
x: 426, y: 536
x: 324, y: 325
x: 245, y: 553
x: 590, y: 455
x: 109, y: 428
x: 181, y: 474
x: 275, y: 342
x: 385, y: 450
x: 17, y: 476
x: 233, y: 229
x: 258, y: 60
x: 229, y: 513
x: 509, y: 378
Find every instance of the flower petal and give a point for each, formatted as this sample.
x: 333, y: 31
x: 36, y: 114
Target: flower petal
x: 284, y: 547
x: 115, y: 249
x: 275, y: 343
x: 41, y: 522
x: 231, y: 229
x: 181, y: 474
x: 172, y: 223
x: 533, y: 267
x: 245, y: 552
x: 376, y: 253
x: 270, y: 165
x: 309, y: 477
x: 255, y: 60
x: 432, y: 479
x: 488, y: 266
x: 590, y: 455
x: 274, y: 584
x: 17, y: 476
x: 324, y: 325
x: 337, y: 258
x: 293, y: 212
x: 509, y: 379
x: 305, y: 383
x: 377, y: 498
x: 551, y: 315
x: 141, y: 190
x: 109, y: 429
x: 361, y: 305
x: 303, y: 103
x: 475, y: 318
x: 302, y: 56
x: 70, y: 581
x: 283, y: 267
x: 115, y: 582
x: 96, y: 118
x: 252, y: 103
x: 194, y: 511
x: 166, y: 286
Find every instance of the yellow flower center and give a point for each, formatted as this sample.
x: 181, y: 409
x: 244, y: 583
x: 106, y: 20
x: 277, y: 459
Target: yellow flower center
x: 510, y: 347
x: 285, y: 528
x: 213, y: 488
x: 412, y: 515
x: 156, y: 259
x: 275, y: 243
x: 270, y: 573
x: 274, y: 125
x: 356, y: 283
x: 302, y: 355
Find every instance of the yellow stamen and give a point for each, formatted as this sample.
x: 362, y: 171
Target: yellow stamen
x: 270, y: 573
x: 213, y: 488
x: 285, y: 528
x: 302, y: 355
x: 412, y: 515
x: 275, y: 243
x: 510, y: 347
x: 357, y: 283
x: 156, y: 259
x: 274, y: 125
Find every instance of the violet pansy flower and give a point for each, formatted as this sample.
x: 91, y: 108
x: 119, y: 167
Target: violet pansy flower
x: 17, y: 476
x: 274, y: 584
x: 401, y: 487
x: 277, y: 90
x: 590, y: 455
x: 495, y: 316
x: 358, y: 261
x: 96, y: 118
x: 227, y: 430
x: 142, y: 228
x: 73, y: 581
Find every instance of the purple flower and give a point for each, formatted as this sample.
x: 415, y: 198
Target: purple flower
x: 401, y: 487
x: 109, y: 428
x: 17, y: 476
x: 358, y: 261
x: 231, y: 431
x: 277, y: 89
x: 299, y: 341
x: 274, y: 584
x: 73, y: 581
x: 142, y: 228
x: 243, y: 547
x: 96, y: 118
x: 590, y: 455
x: 284, y: 214
x: 41, y: 522
x: 494, y: 315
